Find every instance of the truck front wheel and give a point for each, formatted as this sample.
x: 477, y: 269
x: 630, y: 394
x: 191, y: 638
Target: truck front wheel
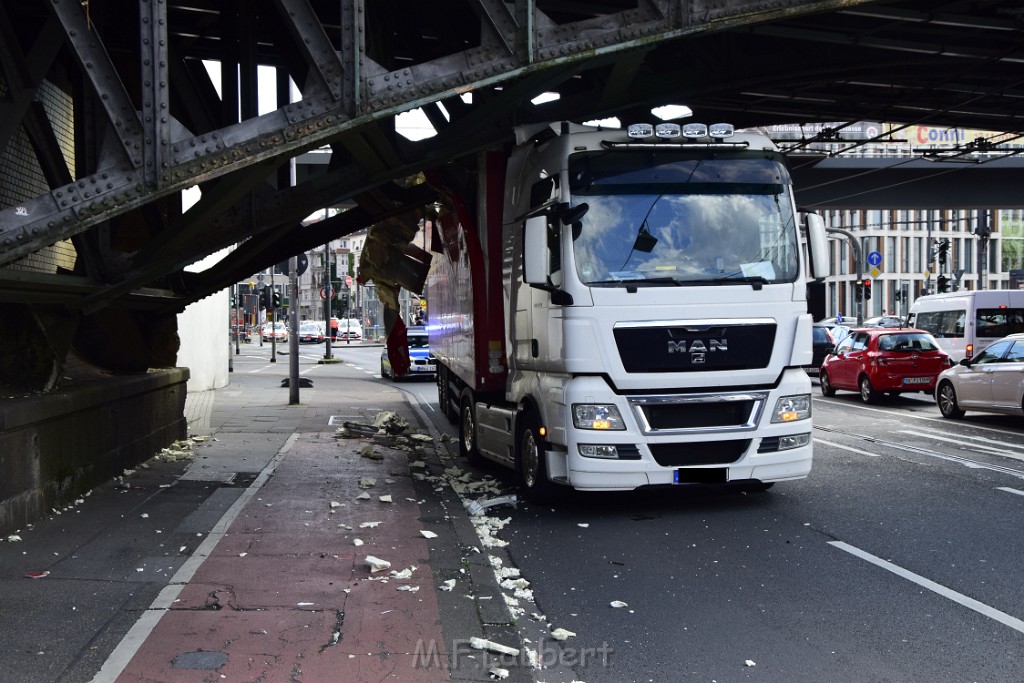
x: 467, y: 428
x: 531, y: 464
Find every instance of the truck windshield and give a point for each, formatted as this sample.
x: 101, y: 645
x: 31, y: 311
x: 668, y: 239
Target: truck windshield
x: 666, y: 219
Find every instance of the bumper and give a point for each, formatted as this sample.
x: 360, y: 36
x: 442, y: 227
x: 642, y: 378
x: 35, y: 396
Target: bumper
x: 755, y: 449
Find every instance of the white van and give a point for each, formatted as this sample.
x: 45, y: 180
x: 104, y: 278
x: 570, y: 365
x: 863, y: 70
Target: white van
x: 966, y: 322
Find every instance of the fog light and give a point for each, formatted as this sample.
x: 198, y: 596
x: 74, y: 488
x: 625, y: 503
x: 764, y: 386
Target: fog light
x: 592, y: 450
x: 794, y: 441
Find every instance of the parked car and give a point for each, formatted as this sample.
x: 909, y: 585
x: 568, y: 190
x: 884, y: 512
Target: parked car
x: 277, y: 332
x: 880, y: 360
x: 421, y: 363
x: 823, y: 345
x: 884, y: 321
x: 991, y: 382
x: 839, y: 333
x: 311, y: 332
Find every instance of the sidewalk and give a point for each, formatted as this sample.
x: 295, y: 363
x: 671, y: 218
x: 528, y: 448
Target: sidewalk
x: 281, y: 587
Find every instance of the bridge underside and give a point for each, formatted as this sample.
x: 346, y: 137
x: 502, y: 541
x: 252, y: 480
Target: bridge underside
x: 109, y: 109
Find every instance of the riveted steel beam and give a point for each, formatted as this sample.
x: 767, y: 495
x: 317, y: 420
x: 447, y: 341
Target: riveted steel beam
x: 368, y: 94
x: 106, y: 82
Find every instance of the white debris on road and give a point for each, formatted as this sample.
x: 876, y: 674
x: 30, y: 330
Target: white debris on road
x: 428, y: 534
x: 491, y: 646
x: 562, y: 634
x: 618, y: 603
x: 377, y: 564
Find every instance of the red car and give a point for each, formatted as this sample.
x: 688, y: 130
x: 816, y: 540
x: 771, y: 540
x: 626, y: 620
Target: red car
x: 883, y: 360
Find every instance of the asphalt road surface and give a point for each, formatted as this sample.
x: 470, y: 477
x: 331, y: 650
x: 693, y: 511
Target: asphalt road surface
x: 898, y: 559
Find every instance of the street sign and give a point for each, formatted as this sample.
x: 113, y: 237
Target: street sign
x: 875, y: 272
x: 327, y: 292
x: 348, y: 280
x: 874, y: 258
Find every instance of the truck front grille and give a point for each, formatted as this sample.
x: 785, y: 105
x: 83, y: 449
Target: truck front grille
x: 699, y: 412
x: 695, y: 346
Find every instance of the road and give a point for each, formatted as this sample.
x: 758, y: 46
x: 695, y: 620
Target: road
x: 898, y: 559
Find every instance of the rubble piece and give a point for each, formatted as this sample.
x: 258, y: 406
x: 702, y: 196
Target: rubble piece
x: 497, y: 673
x: 363, y: 496
x: 417, y: 463
x: 385, y: 498
x: 370, y: 453
x: 357, y: 542
x: 367, y: 482
x: 618, y: 603
x: 358, y: 429
x: 477, y: 507
x: 368, y: 525
x: 390, y: 422
x: 377, y: 564
x: 404, y: 574
x: 750, y: 662
x: 408, y: 588
x: 422, y: 437
x: 13, y: 538
x: 447, y: 586
x: 562, y: 634
x: 491, y: 646
x: 427, y: 534
x: 37, y: 575
x: 335, y: 504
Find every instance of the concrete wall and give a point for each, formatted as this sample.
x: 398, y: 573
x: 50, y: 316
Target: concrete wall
x: 204, y: 331
x: 205, y: 342
x: 55, y: 447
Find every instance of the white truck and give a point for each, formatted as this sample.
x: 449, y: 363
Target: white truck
x: 612, y: 309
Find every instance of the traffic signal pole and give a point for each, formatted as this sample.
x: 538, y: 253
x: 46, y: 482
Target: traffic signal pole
x: 859, y: 265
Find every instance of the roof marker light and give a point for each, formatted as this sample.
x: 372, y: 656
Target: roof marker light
x: 640, y: 130
x: 721, y: 130
x: 695, y: 130
x: 668, y: 130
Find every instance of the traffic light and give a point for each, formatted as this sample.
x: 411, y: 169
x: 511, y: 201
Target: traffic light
x: 943, y: 249
x: 265, y: 300
x: 943, y: 284
x: 858, y: 291
x: 867, y: 289
x: 277, y: 299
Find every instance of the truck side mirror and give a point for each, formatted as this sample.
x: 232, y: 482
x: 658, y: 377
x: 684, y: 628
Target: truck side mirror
x: 536, y: 257
x: 535, y: 251
x: 817, y: 246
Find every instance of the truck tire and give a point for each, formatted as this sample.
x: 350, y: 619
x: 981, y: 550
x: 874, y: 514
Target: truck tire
x: 467, y: 429
x: 444, y: 395
x: 531, y: 466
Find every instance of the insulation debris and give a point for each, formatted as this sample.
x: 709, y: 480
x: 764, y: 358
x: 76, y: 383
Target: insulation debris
x: 377, y: 564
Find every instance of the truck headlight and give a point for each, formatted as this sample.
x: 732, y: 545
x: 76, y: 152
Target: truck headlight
x: 603, y: 416
x: 792, y: 408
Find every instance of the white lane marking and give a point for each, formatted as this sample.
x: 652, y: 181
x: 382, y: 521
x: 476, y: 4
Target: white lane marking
x: 847, y: 448
x: 265, y: 367
x: 141, y: 629
x: 978, y: 446
x: 902, y: 414
x: 1009, y: 490
x: 948, y: 593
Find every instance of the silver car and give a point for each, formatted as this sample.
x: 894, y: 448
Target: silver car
x: 991, y: 382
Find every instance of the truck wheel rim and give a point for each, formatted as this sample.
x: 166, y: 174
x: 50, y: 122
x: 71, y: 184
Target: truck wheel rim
x: 467, y: 428
x: 531, y: 459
